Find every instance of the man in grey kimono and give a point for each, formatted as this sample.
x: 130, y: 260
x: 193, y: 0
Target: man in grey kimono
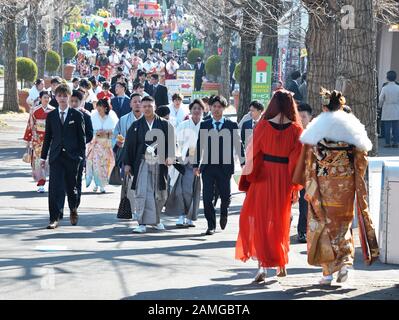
x: 149, y: 150
x: 119, y: 137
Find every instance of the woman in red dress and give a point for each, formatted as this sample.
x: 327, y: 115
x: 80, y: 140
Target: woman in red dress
x: 267, y: 178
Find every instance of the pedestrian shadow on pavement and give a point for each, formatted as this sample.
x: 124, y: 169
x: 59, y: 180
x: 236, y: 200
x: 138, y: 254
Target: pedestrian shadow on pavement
x: 239, y: 274
x: 24, y: 194
x: 12, y: 153
x: 11, y: 227
x: 391, y: 293
x: 250, y: 291
x: 7, y: 173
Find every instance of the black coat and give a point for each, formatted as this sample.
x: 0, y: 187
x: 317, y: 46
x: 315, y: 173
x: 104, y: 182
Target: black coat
x: 160, y: 95
x: 199, y: 72
x: 247, y: 125
x: 53, y: 101
x: 88, y: 126
x: 70, y: 136
x: 294, y: 87
x: 206, y: 144
x: 135, y: 147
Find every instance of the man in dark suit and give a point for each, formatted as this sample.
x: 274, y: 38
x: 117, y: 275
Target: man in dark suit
x: 65, y: 139
x: 121, y: 78
x: 75, y: 103
x: 158, y: 91
x: 120, y: 103
x: 293, y: 85
x: 95, y: 75
x: 217, y: 140
x: 255, y: 111
x: 200, y: 72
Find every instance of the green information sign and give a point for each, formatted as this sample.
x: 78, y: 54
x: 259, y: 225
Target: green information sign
x: 201, y: 94
x: 261, y: 79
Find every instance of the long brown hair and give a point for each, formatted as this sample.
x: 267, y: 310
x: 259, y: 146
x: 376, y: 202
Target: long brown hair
x: 282, y: 102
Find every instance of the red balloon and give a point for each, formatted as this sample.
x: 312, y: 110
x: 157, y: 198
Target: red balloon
x: 105, y: 24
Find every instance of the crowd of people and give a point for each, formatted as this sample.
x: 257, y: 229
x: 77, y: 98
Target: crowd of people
x: 168, y: 154
x: 168, y: 163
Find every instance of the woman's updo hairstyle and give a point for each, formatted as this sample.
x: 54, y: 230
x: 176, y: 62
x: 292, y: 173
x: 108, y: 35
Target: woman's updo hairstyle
x: 333, y: 101
x: 104, y: 103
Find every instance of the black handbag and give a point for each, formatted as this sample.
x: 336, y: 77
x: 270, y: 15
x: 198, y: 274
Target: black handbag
x: 115, y: 177
x: 125, y: 209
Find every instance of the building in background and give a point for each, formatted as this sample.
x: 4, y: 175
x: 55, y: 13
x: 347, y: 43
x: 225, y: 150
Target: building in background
x: 291, y: 39
x: 387, y: 51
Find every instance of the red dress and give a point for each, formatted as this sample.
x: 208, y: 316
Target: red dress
x: 266, y: 211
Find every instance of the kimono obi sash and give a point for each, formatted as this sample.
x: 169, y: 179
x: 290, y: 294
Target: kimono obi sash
x: 40, y: 125
x: 275, y: 159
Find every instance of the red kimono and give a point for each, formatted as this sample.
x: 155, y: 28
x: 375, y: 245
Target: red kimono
x: 34, y: 134
x: 266, y: 211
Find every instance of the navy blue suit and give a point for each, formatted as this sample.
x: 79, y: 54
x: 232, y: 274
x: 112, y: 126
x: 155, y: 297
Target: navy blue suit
x: 247, y: 125
x: 119, y: 109
x: 217, y: 174
x: 67, y: 145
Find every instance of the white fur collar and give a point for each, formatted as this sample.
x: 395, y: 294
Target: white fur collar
x: 337, y: 126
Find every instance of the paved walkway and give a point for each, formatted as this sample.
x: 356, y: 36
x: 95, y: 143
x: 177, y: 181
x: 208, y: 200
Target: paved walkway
x: 101, y: 259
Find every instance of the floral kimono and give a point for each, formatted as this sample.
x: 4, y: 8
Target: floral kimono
x: 100, y: 157
x: 336, y: 162
x: 34, y: 134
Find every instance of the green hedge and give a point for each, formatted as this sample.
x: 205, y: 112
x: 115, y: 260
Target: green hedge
x: 53, y: 61
x: 213, y: 66
x: 69, y: 50
x: 26, y: 70
x: 193, y: 54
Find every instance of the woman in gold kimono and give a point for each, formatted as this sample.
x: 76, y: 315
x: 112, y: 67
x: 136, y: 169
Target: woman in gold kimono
x: 335, y: 157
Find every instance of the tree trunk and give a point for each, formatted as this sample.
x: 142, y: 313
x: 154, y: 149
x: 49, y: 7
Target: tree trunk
x: 322, y: 58
x: 32, y: 32
x: 248, y: 50
x: 357, y: 66
x: 269, y: 42
x: 225, y: 65
x: 60, y: 36
x: 211, y: 45
x: 10, y: 66
x: 42, y: 47
x: 55, y: 43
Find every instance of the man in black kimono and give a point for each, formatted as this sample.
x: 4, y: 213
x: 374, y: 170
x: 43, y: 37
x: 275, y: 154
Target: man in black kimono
x: 149, y: 150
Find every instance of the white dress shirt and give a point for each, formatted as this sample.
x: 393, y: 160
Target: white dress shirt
x: 65, y: 113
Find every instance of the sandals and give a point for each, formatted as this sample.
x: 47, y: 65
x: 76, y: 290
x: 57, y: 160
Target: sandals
x: 281, y: 272
x: 260, y: 276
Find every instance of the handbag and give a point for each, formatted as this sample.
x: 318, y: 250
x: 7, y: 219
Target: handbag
x: 125, y: 209
x: 115, y: 177
x: 27, y: 157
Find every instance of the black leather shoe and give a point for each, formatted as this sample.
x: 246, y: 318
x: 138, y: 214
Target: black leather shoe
x: 223, y: 221
x: 74, y: 217
x: 209, y: 232
x: 52, y: 225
